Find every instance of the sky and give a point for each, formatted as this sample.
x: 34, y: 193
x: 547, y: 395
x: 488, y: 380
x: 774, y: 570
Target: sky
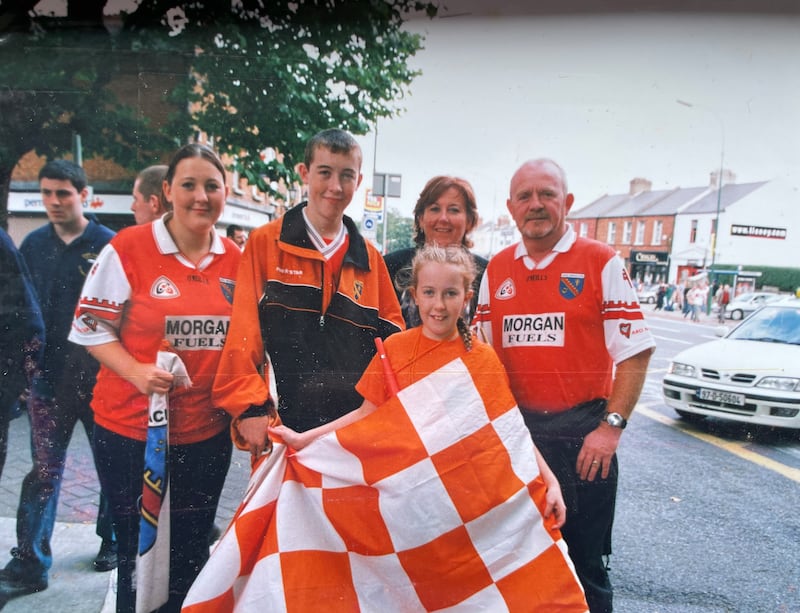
x: 597, y: 93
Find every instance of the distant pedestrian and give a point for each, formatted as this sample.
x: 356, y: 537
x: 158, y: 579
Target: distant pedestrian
x: 148, y: 201
x: 723, y: 298
x: 696, y: 299
x: 21, y: 335
x: 661, y: 296
x: 59, y: 255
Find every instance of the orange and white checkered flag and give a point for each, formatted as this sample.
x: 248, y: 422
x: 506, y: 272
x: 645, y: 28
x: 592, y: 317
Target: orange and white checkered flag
x: 434, y: 501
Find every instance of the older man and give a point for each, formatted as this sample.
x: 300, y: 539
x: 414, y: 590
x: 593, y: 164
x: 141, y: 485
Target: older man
x: 563, y: 316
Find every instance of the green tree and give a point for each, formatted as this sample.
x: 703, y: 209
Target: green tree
x: 251, y: 74
x: 399, y: 231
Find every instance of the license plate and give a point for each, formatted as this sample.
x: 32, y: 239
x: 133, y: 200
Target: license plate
x: 723, y: 397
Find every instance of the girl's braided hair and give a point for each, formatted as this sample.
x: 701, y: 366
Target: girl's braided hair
x: 456, y: 256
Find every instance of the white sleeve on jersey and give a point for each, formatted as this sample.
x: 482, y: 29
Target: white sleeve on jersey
x: 483, y: 325
x: 103, y: 297
x: 626, y: 332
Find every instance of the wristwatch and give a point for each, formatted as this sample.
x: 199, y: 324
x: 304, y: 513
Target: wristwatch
x: 615, y: 420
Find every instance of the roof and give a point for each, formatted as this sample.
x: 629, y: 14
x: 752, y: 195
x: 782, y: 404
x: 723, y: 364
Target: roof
x: 664, y: 202
x: 731, y: 193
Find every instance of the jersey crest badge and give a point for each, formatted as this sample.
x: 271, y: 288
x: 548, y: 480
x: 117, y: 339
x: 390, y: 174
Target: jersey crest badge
x: 358, y: 289
x: 571, y: 285
x: 227, y: 286
x: 625, y: 330
x: 164, y: 288
x: 506, y: 291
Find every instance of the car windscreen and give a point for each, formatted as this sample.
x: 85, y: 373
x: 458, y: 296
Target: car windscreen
x: 771, y: 324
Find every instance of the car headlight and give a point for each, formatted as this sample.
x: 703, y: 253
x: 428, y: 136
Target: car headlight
x: 681, y: 369
x: 781, y: 384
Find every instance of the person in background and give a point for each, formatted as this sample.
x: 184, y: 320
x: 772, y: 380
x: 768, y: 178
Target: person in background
x: 21, y: 335
x: 723, y: 298
x: 562, y: 314
x: 148, y: 201
x: 170, y: 280
x: 312, y: 295
x: 237, y: 235
x: 445, y: 213
x: 697, y: 300
x: 59, y: 255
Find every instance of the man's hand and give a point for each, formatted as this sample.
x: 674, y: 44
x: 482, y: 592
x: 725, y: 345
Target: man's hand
x: 599, y: 446
x: 253, y: 434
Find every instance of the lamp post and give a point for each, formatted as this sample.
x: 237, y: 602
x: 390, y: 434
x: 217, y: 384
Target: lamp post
x: 719, y: 187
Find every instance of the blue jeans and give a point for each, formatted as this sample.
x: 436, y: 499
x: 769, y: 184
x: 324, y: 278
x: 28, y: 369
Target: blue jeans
x: 52, y: 422
x: 196, y: 475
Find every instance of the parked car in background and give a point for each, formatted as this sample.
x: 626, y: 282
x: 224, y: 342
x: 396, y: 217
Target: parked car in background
x: 648, y: 294
x: 744, y: 304
x: 751, y: 375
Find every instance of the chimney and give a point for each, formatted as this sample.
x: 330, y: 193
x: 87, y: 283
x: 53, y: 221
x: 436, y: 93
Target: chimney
x: 728, y: 176
x: 639, y: 185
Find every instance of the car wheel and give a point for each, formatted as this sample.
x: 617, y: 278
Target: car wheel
x: 736, y: 315
x: 651, y: 300
x: 692, y: 418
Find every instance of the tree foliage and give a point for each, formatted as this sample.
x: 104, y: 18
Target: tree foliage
x: 251, y: 74
x: 399, y: 231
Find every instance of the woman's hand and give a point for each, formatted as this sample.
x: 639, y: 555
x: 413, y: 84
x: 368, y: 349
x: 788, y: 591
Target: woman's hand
x: 147, y: 378
x: 150, y: 379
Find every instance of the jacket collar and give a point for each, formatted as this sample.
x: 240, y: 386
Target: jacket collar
x: 293, y: 232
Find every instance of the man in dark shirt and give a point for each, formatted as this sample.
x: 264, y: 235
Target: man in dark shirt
x: 59, y: 256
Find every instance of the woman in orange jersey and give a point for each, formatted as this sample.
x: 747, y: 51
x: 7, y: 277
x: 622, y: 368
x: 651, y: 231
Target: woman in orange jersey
x: 169, y: 280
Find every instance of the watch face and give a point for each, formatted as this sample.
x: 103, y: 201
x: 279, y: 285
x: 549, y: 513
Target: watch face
x: 616, y: 420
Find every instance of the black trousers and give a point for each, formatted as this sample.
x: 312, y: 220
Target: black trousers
x: 196, y: 475
x: 590, y: 504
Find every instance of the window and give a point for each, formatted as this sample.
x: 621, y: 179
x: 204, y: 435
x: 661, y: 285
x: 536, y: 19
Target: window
x: 658, y: 232
x: 612, y: 233
x: 583, y: 229
x: 627, y: 230
x: 640, y: 228
x: 693, y: 232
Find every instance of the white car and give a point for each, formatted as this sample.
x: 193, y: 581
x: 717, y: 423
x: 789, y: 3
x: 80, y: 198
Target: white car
x: 648, y: 295
x: 750, y: 375
x: 744, y: 304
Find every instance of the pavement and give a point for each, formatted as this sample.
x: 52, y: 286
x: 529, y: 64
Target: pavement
x: 74, y: 585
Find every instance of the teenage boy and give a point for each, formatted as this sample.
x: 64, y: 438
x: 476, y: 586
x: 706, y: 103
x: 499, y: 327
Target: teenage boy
x: 59, y: 255
x: 312, y: 295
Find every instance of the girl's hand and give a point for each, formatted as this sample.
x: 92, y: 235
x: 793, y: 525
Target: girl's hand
x: 295, y: 440
x: 554, y: 504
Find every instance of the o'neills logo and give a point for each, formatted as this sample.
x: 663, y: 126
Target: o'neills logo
x: 164, y: 288
x: 540, y: 329
x: 506, y: 291
x: 198, y: 332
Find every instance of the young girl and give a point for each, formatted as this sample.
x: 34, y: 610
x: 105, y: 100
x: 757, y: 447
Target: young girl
x: 441, y: 285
